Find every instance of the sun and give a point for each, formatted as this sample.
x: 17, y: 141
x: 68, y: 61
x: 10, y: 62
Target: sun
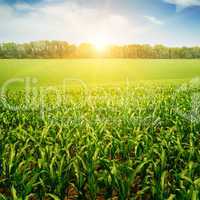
x: 100, y: 43
x: 100, y: 46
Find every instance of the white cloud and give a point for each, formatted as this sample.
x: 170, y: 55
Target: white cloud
x: 181, y: 4
x: 63, y: 21
x: 154, y: 20
x: 23, y: 7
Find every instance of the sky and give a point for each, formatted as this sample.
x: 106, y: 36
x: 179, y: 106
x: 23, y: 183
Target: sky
x: 168, y: 22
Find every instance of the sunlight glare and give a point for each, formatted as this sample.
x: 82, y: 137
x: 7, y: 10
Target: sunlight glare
x: 100, y: 43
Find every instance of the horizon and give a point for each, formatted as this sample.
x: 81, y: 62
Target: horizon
x: 106, y: 46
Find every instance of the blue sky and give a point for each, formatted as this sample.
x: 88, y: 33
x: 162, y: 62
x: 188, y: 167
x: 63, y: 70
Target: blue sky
x: 169, y: 22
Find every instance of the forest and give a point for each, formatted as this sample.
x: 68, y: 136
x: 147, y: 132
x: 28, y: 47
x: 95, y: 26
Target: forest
x: 61, y: 49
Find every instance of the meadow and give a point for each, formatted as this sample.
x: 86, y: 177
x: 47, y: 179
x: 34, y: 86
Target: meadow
x: 128, y: 130
x: 98, y: 71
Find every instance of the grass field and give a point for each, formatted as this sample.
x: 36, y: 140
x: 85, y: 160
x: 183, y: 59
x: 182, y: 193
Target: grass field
x: 99, y: 71
x: 124, y: 140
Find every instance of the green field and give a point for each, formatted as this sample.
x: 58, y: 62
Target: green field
x: 133, y: 134
x: 99, y: 71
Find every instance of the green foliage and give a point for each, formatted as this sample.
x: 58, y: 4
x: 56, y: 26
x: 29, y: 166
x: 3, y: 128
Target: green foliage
x: 60, y: 49
x: 125, y: 143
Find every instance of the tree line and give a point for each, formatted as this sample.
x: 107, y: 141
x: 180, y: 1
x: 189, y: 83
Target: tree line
x: 60, y: 49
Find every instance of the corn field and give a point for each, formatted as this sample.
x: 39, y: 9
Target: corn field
x: 126, y: 143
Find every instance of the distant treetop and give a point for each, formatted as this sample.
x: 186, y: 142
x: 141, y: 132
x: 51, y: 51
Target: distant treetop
x: 60, y: 49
